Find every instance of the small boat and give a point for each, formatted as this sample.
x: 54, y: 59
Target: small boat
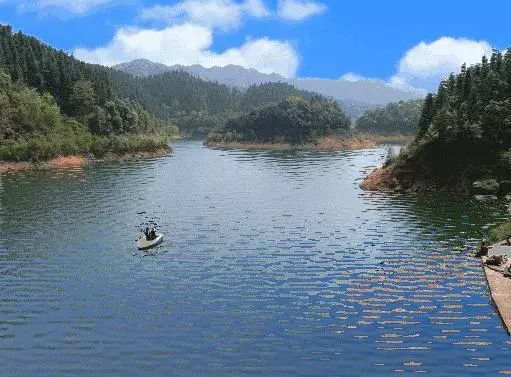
x: 144, y: 244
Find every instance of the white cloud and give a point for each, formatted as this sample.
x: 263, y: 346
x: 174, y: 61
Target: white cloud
x: 400, y: 84
x: 427, y: 63
x: 298, y: 10
x: 352, y: 77
x: 224, y: 14
x: 188, y: 44
x: 72, y: 6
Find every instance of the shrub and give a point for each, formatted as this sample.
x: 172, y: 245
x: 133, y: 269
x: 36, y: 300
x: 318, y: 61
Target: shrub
x: 500, y: 232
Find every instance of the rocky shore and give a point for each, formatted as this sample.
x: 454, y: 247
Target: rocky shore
x: 64, y: 162
x: 392, y: 178
x: 329, y: 143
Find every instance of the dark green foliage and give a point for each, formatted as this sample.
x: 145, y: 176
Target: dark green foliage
x: 201, y: 123
x: 28, y: 60
x: 72, y: 138
x: 110, y: 103
x: 24, y: 111
x: 171, y: 95
x: 428, y: 111
x: 38, y: 81
x: 175, y: 97
x: 395, y: 118
x: 68, y: 137
x: 294, y: 121
x: 500, y: 232
x: 33, y: 129
x: 198, y: 106
x: 270, y: 93
x: 122, y: 116
x: 465, y: 129
x: 82, y: 99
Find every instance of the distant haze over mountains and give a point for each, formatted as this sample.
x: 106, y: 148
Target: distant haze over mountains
x: 362, y: 93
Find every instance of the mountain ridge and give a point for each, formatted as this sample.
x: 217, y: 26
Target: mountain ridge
x: 368, y: 93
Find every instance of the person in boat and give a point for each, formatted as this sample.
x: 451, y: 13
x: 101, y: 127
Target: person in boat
x: 152, y: 234
x: 483, y: 250
x: 146, y: 233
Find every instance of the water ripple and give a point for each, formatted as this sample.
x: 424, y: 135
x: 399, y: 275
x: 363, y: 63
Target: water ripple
x: 275, y: 263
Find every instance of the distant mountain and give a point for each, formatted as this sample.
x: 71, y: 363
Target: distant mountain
x: 355, y: 94
x: 231, y: 75
x: 142, y: 68
x: 373, y: 92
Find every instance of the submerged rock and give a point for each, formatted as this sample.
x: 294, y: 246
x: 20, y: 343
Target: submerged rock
x: 486, y: 187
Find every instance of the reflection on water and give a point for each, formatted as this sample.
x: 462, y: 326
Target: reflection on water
x: 276, y: 264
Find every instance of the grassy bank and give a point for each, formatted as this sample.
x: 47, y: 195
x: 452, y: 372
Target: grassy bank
x: 327, y: 143
x: 500, y: 232
x: 72, y: 138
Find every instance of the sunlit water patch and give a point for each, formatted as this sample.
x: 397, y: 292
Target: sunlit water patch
x: 274, y: 263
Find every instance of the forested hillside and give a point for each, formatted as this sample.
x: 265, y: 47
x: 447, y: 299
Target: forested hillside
x: 196, y: 105
x: 176, y: 97
x: 395, y: 118
x: 105, y: 102
x: 54, y: 104
x: 33, y: 128
x: 28, y: 60
x: 294, y: 121
x: 465, y: 129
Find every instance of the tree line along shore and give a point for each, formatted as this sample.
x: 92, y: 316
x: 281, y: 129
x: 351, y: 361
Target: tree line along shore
x: 463, y: 141
x: 52, y: 104
x: 316, y: 123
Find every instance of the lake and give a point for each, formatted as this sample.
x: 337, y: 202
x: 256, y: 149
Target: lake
x: 274, y: 264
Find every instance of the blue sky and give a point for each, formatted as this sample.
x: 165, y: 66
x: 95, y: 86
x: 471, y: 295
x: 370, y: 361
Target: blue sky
x: 404, y: 43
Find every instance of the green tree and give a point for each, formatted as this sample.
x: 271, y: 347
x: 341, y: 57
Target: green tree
x: 395, y: 118
x: 428, y: 111
x: 465, y: 129
x: 295, y: 120
x: 83, y: 98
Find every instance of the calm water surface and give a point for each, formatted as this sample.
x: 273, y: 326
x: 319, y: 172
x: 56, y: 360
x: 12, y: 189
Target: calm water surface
x: 274, y: 264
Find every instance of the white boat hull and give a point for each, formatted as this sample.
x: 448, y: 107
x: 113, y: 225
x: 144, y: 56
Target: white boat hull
x: 144, y: 244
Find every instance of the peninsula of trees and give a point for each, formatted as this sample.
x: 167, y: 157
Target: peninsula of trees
x: 295, y: 121
x: 464, y: 133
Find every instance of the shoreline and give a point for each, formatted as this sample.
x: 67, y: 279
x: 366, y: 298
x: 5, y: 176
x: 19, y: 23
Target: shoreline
x: 380, y: 179
x: 329, y: 143
x: 499, y: 286
x: 73, y: 161
x: 397, y: 179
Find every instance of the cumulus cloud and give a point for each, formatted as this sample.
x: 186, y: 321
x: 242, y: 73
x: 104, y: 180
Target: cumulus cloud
x: 298, y: 10
x: 190, y: 43
x: 187, y: 38
x: 427, y: 63
x: 72, y: 6
x: 225, y: 14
